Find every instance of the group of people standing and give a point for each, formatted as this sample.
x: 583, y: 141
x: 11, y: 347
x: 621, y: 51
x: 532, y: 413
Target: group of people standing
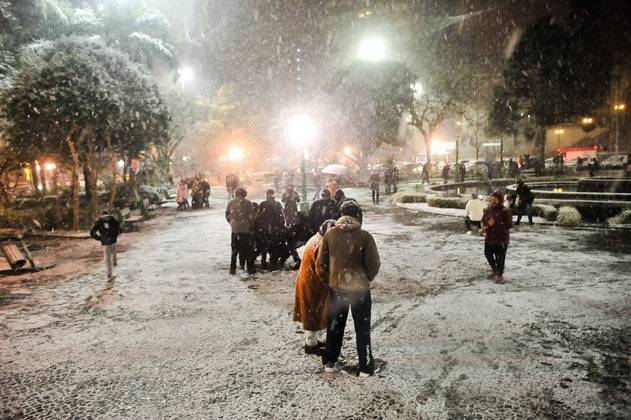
x: 275, y: 229
x: 199, y: 191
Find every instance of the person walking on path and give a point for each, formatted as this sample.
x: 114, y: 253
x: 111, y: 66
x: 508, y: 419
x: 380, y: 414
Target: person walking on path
x: 291, y: 200
x: 473, y: 212
x: 425, y: 173
x: 462, y: 171
x: 445, y: 173
x: 525, y: 199
x: 323, y: 209
x: 311, y: 297
x: 106, y: 229
x: 182, y: 196
x: 205, y: 185
x: 489, y: 169
x: 348, y: 261
x: 496, y: 224
x: 375, y: 179
x: 239, y: 213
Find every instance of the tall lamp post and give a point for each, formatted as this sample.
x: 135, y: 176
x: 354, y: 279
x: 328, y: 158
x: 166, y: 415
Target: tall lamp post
x: 302, y: 132
x: 558, y: 132
x: 618, y: 108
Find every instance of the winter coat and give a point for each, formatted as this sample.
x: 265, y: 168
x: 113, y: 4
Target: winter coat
x: 311, y: 297
x: 375, y: 179
x: 106, y: 229
x: 345, y: 199
x: 240, y: 215
x: 271, y: 220
x: 182, y: 193
x: 321, y: 210
x: 291, y: 200
x: 525, y: 195
x: 498, y: 233
x: 474, y: 210
x: 348, y: 258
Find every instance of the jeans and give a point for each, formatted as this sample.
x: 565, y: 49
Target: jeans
x: 241, y: 244
x: 525, y: 209
x: 360, y: 305
x: 109, y: 254
x: 496, y: 256
x: 468, y: 223
x: 375, y: 195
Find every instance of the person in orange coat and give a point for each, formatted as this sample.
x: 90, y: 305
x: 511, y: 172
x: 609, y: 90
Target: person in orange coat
x: 310, y: 302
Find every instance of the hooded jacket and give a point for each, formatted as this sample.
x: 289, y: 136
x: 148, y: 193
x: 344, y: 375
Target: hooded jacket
x: 321, y: 210
x: 239, y: 214
x: 106, y: 229
x: 348, y: 258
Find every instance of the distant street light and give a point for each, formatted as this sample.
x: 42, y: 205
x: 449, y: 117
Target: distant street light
x: 302, y: 131
x: 186, y: 74
x: 588, y: 120
x: 372, y: 49
x: 235, y: 154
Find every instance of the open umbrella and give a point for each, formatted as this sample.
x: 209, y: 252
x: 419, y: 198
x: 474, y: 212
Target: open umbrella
x: 335, y: 170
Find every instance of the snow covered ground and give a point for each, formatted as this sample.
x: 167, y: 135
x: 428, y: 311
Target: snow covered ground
x: 176, y: 336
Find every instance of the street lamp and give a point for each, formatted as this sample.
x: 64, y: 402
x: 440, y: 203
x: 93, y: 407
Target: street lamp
x: 588, y: 120
x: 558, y: 132
x: 302, y: 131
x: 372, y: 49
x: 186, y: 75
x: 618, y: 108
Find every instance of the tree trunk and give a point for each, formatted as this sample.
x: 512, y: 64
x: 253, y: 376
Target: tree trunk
x: 86, y: 183
x: 42, y: 177
x: 114, y: 163
x: 55, y: 180
x: 76, y: 167
x: 428, y: 147
x: 35, y: 179
x: 540, y: 142
x: 91, y: 180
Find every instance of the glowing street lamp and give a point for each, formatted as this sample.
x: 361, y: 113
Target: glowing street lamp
x: 235, y: 154
x: 186, y: 74
x: 372, y: 49
x: 588, y: 120
x: 302, y: 131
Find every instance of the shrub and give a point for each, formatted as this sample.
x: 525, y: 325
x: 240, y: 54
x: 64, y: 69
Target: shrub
x: 568, y: 216
x: 413, y: 198
x: 446, y: 202
x: 623, y: 218
x: 548, y: 212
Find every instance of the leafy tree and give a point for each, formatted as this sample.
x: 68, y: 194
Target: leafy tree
x: 549, y: 79
x: 76, y: 98
x: 374, y: 97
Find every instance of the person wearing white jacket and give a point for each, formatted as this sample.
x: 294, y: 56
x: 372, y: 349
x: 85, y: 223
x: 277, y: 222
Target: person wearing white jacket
x: 473, y: 213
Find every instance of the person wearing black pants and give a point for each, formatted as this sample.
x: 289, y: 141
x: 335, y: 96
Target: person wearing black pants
x: 496, y: 223
x: 348, y: 260
x: 241, y: 245
x: 526, y: 199
x: 360, y: 304
x: 496, y: 257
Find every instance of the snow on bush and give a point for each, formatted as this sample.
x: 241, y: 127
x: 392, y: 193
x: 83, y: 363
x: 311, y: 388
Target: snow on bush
x: 407, y: 197
x: 446, y: 202
x: 546, y: 211
x: 568, y: 216
x: 623, y: 218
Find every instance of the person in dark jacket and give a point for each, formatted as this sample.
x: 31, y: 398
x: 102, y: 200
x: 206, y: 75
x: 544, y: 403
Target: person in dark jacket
x: 496, y: 224
x: 205, y: 194
x: 239, y: 213
x: 106, y: 229
x: 323, y: 209
x: 445, y: 173
x: 341, y: 198
x: 375, y: 179
x: 347, y: 262
x: 272, y: 231
x: 526, y: 198
x: 291, y: 200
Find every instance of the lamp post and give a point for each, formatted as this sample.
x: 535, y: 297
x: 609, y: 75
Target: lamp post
x: 372, y: 49
x: 558, y: 132
x: 302, y: 132
x: 618, y: 108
